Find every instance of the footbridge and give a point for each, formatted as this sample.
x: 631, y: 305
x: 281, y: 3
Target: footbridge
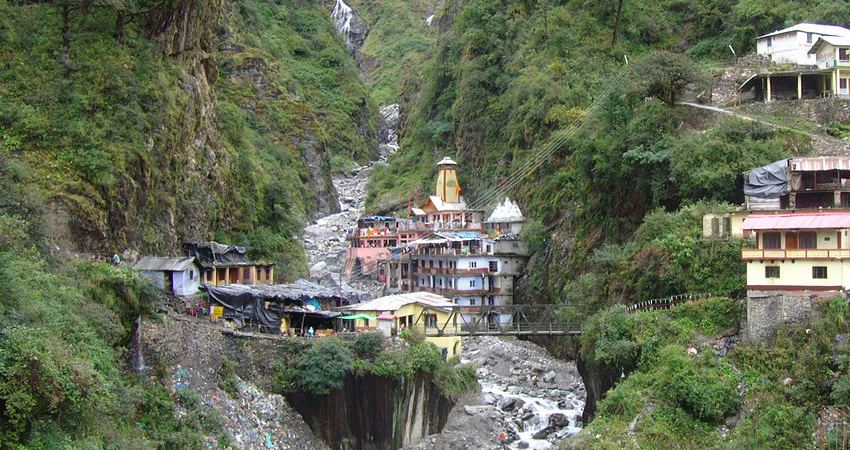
x: 507, y: 320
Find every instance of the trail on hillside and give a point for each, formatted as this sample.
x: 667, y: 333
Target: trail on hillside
x: 818, y: 137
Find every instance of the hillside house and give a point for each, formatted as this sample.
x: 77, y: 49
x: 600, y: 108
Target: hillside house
x: 798, y: 252
x: 394, y: 313
x: 798, y: 260
x: 791, y: 45
x: 811, y: 53
x: 179, y: 276
x: 832, y: 54
x: 227, y: 264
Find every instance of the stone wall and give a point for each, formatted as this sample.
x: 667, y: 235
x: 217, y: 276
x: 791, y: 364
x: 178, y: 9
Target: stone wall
x: 768, y: 311
x: 825, y: 110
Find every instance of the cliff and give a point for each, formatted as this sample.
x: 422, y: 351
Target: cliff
x: 148, y: 125
x: 372, y: 412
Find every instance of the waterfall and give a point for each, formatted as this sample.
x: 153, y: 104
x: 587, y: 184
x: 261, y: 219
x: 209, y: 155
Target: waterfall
x: 139, y: 366
x: 342, y: 15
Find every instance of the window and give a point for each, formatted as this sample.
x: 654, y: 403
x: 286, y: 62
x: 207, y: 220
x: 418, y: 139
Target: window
x: 191, y: 274
x: 808, y: 239
x: 471, y: 283
x: 472, y: 302
x: 430, y: 320
x: 771, y: 272
x: 715, y: 226
x: 491, y: 301
x: 473, y: 264
x: 809, y: 37
x: 494, y: 266
x: 770, y: 41
x: 842, y: 56
x: 819, y: 272
x: 772, y: 240
x: 727, y: 226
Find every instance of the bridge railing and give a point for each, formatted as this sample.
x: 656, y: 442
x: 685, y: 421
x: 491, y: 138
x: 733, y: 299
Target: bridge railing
x: 502, y: 319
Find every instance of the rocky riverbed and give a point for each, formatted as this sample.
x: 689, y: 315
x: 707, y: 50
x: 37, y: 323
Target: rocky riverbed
x: 534, y: 399
x: 325, y: 239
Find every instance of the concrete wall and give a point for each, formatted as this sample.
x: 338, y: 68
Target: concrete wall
x: 789, y: 47
x: 187, y: 282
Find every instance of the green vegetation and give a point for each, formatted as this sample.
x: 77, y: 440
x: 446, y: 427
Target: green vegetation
x: 207, y: 120
x: 398, y: 44
x: 324, y: 364
x: 766, y: 396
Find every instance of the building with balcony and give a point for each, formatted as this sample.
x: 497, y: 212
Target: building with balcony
x: 793, y: 45
x: 798, y: 253
x: 374, y: 236
x: 811, y: 56
x: 223, y: 264
x: 798, y: 260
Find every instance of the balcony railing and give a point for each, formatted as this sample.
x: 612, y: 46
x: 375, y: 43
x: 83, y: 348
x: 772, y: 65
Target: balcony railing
x: 452, y: 271
x: 781, y: 253
x: 448, y: 292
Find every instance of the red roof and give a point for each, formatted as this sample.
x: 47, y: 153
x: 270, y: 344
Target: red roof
x: 797, y: 221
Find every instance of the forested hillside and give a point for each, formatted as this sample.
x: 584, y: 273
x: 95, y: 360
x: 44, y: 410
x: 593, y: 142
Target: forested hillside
x: 507, y: 75
x: 145, y: 124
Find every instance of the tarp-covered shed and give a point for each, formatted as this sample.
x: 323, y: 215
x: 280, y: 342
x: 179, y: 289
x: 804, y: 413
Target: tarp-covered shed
x: 301, y: 304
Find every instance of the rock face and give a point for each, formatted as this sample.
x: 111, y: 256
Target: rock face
x: 375, y: 413
x: 350, y: 25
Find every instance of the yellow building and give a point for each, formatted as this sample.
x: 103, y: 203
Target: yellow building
x: 798, y: 252
x: 422, y: 311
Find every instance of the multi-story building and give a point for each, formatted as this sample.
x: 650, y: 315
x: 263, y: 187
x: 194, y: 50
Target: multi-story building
x: 812, y: 54
x: 798, y: 252
x: 374, y: 236
x: 798, y: 260
x: 470, y: 268
x: 792, y: 45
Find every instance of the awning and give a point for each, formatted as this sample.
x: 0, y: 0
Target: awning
x: 359, y: 316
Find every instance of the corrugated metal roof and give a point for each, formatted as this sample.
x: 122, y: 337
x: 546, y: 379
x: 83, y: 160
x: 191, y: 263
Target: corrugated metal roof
x: 394, y: 302
x: 826, y: 30
x: 819, y: 163
x: 163, y: 264
x: 797, y: 221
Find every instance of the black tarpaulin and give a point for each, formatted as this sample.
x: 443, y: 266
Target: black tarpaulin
x: 770, y: 181
x: 244, y: 306
x: 209, y: 253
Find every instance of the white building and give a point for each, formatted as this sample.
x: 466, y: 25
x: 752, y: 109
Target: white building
x: 791, y: 45
x: 507, y: 218
x: 180, y: 275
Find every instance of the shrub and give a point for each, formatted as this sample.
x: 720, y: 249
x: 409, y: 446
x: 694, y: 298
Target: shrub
x: 323, y: 367
x: 367, y: 345
x: 700, y: 391
x: 227, y: 379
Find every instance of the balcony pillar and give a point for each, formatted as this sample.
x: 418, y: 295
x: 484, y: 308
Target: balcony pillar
x: 769, y: 96
x: 799, y: 86
x: 836, y: 203
x: 792, y: 200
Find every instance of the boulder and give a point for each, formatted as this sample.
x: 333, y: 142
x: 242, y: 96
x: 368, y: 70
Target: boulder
x: 558, y: 420
x: 549, y: 376
x: 510, y: 404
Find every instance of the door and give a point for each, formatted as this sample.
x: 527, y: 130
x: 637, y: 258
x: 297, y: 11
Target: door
x: 842, y: 86
x: 791, y: 241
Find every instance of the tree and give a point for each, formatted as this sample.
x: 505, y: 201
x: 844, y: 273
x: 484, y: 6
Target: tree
x: 664, y: 74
